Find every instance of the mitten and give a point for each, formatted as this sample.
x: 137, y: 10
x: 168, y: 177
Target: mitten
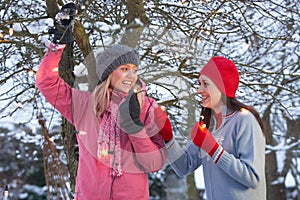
x: 64, y: 24
x: 204, y: 140
x: 130, y: 114
x: 163, y: 123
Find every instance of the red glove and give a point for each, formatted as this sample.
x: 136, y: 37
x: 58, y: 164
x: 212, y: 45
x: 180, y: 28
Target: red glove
x: 163, y: 123
x: 204, y: 140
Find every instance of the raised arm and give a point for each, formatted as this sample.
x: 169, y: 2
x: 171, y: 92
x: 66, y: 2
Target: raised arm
x: 55, y: 90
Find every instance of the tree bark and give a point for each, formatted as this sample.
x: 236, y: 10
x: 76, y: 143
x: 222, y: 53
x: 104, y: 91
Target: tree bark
x: 66, y: 67
x: 275, y: 188
x: 134, y: 30
x: 191, y: 188
x: 68, y: 131
x: 82, y: 40
x: 176, y: 187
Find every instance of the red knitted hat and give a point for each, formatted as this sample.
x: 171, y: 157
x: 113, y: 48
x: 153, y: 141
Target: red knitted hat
x: 223, y: 73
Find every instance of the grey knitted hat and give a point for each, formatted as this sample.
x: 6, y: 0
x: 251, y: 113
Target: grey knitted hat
x: 112, y: 58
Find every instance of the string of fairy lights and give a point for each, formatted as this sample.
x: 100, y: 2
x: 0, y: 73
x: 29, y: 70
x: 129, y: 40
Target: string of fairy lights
x: 3, y: 38
x: 7, y: 38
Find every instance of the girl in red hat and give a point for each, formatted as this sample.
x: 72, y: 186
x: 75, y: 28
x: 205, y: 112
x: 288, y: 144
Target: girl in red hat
x: 228, y: 141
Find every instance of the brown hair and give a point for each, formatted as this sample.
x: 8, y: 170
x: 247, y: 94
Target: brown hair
x: 232, y: 104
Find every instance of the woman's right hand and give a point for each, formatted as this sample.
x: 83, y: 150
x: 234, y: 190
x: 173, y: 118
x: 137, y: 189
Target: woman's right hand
x: 64, y: 24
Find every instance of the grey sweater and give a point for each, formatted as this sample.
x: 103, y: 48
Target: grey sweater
x: 240, y: 172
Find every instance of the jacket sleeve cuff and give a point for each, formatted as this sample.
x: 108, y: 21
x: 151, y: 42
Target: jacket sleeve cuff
x: 57, y: 46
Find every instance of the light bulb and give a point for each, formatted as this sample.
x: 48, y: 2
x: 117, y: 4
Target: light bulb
x: 185, y: 2
x: 31, y: 72
x: 11, y: 30
x: 163, y: 108
x: 201, y: 117
x: 6, y: 192
x: 51, y: 139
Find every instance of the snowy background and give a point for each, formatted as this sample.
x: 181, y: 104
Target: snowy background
x: 262, y: 37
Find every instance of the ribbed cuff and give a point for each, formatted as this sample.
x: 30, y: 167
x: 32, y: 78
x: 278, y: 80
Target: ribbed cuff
x: 217, y: 155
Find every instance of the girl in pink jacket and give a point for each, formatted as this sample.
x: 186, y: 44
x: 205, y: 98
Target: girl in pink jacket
x: 118, y: 139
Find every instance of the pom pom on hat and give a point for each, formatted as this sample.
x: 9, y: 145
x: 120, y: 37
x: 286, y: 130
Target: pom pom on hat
x: 113, y: 57
x: 223, y: 73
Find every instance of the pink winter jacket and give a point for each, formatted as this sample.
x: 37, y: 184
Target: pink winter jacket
x: 142, y: 152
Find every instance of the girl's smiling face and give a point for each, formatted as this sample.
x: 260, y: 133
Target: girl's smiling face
x: 124, y: 78
x: 211, y: 95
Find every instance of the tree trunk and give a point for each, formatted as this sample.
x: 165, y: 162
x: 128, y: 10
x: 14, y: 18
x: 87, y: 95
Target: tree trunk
x: 176, y: 187
x: 66, y: 67
x: 275, y: 188
x: 68, y: 131
x: 82, y: 40
x: 192, y: 190
x: 290, y: 165
x: 133, y: 30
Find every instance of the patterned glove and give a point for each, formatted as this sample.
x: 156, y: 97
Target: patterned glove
x: 130, y: 114
x: 204, y: 140
x: 64, y: 24
x: 162, y: 121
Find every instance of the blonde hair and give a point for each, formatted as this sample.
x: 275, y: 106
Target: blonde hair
x: 101, y: 97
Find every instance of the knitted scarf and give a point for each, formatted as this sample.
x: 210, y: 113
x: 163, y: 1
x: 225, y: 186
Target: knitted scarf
x: 109, y: 148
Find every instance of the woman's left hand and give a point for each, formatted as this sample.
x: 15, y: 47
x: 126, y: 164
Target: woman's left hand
x: 204, y: 140
x: 130, y: 114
